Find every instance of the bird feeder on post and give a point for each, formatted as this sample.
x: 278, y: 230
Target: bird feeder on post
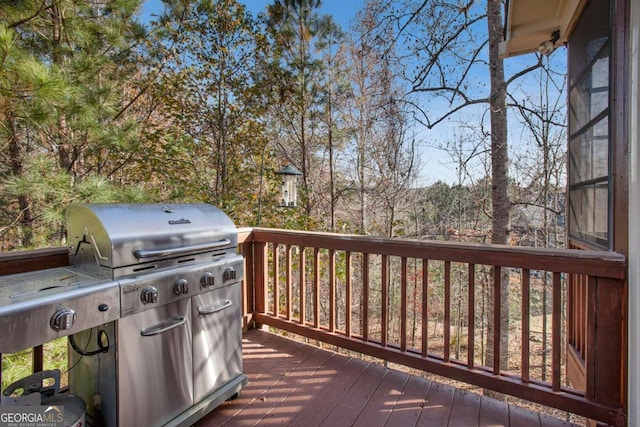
x: 289, y: 195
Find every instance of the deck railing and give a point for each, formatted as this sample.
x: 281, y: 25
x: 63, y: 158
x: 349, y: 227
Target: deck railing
x: 428, y: 305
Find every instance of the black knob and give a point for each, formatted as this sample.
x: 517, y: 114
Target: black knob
x: 149, y: 295
x: 229, y: 274
x: 207, y: 279
x: 181, y: 287
x: 103, y: 307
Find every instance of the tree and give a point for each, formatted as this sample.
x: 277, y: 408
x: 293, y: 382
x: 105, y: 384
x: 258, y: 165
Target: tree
x: 544, y: 174
x: 298, y: 101
x: 451, y: 48
x: 380, y: 144
x: 63, y: 78
x: 206, y: 92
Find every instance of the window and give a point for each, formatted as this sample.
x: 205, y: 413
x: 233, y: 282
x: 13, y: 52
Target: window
x: 589, y: 133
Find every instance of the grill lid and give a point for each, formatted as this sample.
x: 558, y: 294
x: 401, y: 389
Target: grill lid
x: 121, y: 235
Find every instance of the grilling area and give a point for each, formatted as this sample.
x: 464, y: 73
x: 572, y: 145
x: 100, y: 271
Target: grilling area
x: 289, y: 281
x: 150, y: 301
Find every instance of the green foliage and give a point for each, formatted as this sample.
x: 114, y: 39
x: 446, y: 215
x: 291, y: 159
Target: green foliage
x: 64, y: 80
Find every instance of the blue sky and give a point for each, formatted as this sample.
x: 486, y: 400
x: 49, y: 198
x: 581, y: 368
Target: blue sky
x: 436, y: 164
x: 341, y: 10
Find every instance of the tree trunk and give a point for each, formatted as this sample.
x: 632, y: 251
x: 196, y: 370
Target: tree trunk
x: 24, y: 204
x: 501, y: 203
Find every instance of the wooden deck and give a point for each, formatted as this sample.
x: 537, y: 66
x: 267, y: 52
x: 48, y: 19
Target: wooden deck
x: 291, y: 383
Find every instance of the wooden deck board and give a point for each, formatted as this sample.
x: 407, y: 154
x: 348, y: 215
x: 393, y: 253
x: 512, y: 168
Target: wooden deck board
x: 382, y: 402
x: 408, y: 409
x: 294, y: 384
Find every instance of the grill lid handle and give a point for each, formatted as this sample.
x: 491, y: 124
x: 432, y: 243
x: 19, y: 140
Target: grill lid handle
x: 155, y: 253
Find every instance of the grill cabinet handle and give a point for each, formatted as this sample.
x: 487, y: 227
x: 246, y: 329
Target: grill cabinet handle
x: 210, y: 309
x: 154, y: 253
x: 165, y: 326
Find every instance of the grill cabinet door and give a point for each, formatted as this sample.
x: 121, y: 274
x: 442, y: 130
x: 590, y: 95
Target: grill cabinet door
x: 217, y: 339
x: 154, y: 369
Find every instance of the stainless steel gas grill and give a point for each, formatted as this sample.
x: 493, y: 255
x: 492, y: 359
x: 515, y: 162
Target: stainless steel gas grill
x: 157, y: 323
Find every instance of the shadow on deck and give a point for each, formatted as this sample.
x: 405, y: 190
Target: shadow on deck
x: 291, y: 383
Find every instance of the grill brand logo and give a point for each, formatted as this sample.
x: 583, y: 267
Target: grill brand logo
x: 179, y: 221
x: 32, y: 416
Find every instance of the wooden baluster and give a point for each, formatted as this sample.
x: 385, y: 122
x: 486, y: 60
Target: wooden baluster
x: 332, y: 290
x: 471, y: 331
x: 365, y: 297
x: 261, y: 277
x: 316, y: 287
x: 425, y: 307
x: 497, y: 301
x: 276, y: 280
x: 447, y: 311
x: 289, y: 289
x: 303, y: 285
x: 556, y: 331
x: 526, y: 292
x: 248, y: 284
x: 38, y: 358
x: 384, y: 284
x: 403, y: 305
x: 348, y: 284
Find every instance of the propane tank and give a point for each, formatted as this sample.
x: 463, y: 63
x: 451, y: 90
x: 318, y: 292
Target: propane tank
x: 62, y: 409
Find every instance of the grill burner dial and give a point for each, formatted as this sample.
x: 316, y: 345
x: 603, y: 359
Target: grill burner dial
x: 229, y: 274
x: 149, y: 295
x: 63, y: 319
x: 181, y: 287
x: 207, y: 279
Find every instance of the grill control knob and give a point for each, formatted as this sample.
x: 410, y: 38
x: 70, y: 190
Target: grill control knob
x: 63, y: 319
x: 207, y: 279
x: 181, y: 287
x: 229, y: 274
x: 149, y: 295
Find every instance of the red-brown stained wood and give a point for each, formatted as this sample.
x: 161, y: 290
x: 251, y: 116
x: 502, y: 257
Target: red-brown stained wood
x: 408, y: 408
x: 32, y: 260
x: 316, y: 287
x: 303, y: 285
x: 261, y: 272
x: 332, y: 290
x: 447, y: 311
x: 353, y: 402
x: 425, y: 307
x: 471, y: 316
x: 465, y: 408
x: 522, y: 417
x: 437, y: 406
x: 596, y: 263
x: 383, y: 401
x: 403, y: 305
x: 289, y: 281
x: 365, y: 296
x: 291, y: 383
x: 497, y: 320
x: 556, y: 330
x: 384, y: 309
x: 348, y: 285
x: 525, y: 335
x: 493, y: 413
x: 276, y: 280
x: 342, y: 373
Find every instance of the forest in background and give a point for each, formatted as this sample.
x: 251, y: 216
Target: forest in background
x: 206, y: 101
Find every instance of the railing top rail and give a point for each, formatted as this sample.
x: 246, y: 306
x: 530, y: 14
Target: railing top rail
x: 594, y: 263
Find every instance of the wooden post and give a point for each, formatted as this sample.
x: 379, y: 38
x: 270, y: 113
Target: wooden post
x: 605, y: 341
x: 260, y: 278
